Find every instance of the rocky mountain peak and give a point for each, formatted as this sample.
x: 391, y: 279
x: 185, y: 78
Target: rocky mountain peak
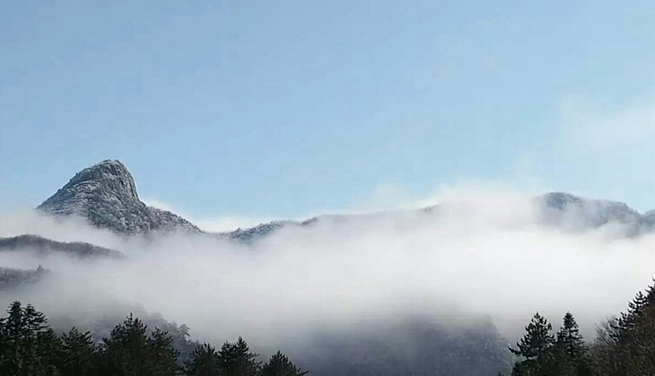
x: 110, y: 173
x: 561, y: 200
x: 106, y: 195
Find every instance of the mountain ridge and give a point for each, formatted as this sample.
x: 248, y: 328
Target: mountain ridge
x: 106, y: 195
x: 552, y: 209
x: 44, y: 246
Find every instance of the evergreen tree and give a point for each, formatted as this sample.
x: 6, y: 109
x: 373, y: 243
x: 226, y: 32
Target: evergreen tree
x: 78, y: 353
x: 125, y: 352
x: 627, y: 344
x: 49, y: 350
x: 236, y: 359
x: 4, y: 344
x: 162, y: 356
x: 569, y: 338
x: 606, y: 352
x: 33, y: 325
x: 571, y: 346
x: 11, y: 359
x: 638, y: 339
x: 556, y: 362
x: 29, y: 347
x: 280, y: 365
x: 204, y: 361
x: 534, y: 347
x: 537, y: 339
x: 28, y: 344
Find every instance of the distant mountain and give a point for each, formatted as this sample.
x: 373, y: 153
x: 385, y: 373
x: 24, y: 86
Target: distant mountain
x: 11, y: 278
x: 565, y: 209
x: 261, y: 230
x: 106, y: 195
x: 45, y: 246
x: 553, y: 209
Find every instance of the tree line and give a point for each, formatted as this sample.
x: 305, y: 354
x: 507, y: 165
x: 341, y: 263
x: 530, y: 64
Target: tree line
x: 30, y: 347
x: 624, y: 345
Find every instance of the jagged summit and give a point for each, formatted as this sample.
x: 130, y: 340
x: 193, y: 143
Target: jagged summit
x: 106, y: 195
x: 109, y: 176
x: 113, y: 173
x: 561, y: 200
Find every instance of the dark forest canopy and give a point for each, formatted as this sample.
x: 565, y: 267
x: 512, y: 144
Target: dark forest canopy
x: 30, y: 347
x: 625, y: 346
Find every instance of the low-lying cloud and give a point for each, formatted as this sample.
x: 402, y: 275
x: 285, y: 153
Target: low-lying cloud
x: 485, y: 253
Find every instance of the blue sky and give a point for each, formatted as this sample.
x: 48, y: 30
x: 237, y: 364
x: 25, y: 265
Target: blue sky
x: 281, y: 108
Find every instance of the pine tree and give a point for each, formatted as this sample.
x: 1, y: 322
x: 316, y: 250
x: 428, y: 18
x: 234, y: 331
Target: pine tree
x: 49, y: 351
x: 236, y: 359
x: 28, y: 346
x: 629, y: 340
x: 534, y: 347
x: 12, y: 359
x: 605, y: 351
x: 569, y: 338
x: 537, y: 339
x: 125, y: 352
x: 4, y: 344
x: 78, y: 353
x: 571, y: 346
x: 203, y: 361
x: 280, y: 365
x: 639, y: 338
x: 33, y: 323
x: 162, y: 356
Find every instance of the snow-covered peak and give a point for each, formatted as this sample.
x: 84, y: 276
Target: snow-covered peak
x: 105, y: 194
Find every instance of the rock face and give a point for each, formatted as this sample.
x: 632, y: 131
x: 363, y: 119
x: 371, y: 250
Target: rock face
x: 106, y: 195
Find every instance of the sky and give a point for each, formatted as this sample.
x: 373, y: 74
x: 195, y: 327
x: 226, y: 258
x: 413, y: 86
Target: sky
x: 252, y: 109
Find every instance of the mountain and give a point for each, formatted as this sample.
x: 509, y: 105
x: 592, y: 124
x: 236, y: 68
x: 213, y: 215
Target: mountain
x: 11, y: 278
x: 565, y: 209
x: 105, y: 195
x: 45, y: 246
x: 558, y: 209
